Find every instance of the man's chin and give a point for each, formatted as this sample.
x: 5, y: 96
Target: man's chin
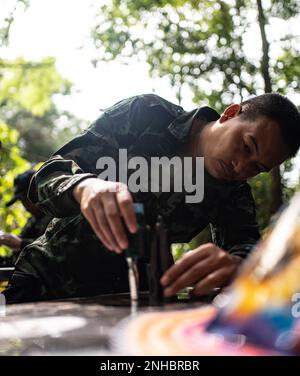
x: 215, y: 171
x: 215, y: 174
x: 220, y: 175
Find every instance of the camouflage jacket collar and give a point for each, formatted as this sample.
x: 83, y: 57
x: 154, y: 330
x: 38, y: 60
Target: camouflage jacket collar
x: 181, y: 126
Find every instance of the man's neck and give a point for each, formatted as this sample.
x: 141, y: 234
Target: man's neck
x: 199, y: 135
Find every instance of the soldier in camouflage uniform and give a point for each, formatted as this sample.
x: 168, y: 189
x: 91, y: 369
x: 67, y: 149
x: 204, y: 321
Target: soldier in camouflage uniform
x: 36, y: 224
x: 80, y: 254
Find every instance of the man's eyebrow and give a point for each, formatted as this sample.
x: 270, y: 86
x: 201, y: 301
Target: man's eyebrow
x: 264, y: 168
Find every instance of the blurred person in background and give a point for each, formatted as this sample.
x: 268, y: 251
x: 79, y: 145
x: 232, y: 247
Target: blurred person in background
x: 35, y: 226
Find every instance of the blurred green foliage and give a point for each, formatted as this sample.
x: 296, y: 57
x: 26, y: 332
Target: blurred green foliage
x: 12, y: 164
x: 30, y: 86
x: 26, y: 104
x: 179, y: 249
x: 7, y: 17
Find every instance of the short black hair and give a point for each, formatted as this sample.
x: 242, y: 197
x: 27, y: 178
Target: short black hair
x: 280, y: 109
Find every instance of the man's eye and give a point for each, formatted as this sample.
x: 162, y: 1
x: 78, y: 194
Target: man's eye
x: 247, y: 148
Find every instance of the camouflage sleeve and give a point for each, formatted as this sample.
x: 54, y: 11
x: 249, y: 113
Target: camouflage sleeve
x: 27, y: 233
x: 118, y: 127
x: 51, y: 187
x: 236, y: 229
x: 26, y: 242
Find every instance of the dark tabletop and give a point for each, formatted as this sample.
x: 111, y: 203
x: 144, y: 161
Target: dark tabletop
x: 82, y: 326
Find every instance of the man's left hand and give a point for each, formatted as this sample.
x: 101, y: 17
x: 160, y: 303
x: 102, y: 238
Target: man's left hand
x: 205, y: 268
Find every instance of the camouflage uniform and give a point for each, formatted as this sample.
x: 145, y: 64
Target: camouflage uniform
x: 35, y: 225
x: 34, y: 228
x: 69, y: 260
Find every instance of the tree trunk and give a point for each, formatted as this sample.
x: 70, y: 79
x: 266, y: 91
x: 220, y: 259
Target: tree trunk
x: 276, y: 192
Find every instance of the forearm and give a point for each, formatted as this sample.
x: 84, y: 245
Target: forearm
x: 52, y: 187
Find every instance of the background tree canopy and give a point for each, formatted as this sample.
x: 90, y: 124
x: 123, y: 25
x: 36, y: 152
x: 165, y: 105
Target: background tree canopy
x: 200, y: 44
x: 26, y: 104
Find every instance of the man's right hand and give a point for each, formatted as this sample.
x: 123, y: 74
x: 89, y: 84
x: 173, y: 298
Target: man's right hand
x: 103, y: 203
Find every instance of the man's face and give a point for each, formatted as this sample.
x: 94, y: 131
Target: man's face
x: 238, y: 149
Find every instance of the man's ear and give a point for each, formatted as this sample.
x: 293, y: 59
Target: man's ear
x: 230, y: 112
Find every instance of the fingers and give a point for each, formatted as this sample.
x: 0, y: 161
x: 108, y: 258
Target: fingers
x: 208, y: 265
x: 103, y: 203
x: 216, y: 279
x: 125, y: 204
x: 190, y: 277
x: 184, y: 264
x: 100, y: 227
x: 114, y: 220
x: 106, y: 228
